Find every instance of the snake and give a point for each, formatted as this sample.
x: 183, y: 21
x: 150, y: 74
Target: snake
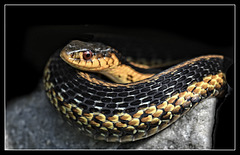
x: 106, y: 97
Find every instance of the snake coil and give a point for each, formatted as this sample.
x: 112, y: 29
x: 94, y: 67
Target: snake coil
x: 122, y: 112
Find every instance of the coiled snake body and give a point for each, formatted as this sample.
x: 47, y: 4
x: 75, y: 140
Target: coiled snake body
x: 140, y: 104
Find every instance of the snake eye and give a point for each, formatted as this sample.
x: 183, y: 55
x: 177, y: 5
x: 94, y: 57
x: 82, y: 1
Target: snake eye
x: 87, y: 55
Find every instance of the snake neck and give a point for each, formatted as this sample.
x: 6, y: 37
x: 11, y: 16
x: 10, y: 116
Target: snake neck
x: 125, y: 73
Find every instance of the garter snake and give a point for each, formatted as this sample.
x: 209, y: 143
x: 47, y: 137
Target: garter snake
x: 139, y: 103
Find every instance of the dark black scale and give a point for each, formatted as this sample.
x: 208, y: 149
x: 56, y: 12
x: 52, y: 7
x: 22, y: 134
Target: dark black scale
x: 100, y: 93
x: 196, y: 76
x: 184, y: 87
x: 136, y: 102
x: 130, y: 110
x: 180, y: 70
x: 86, y: 95
x: 105, y: 89
x: 160, y: 79
x: 72, y: 101
x: 140, y: 95
x: 184, y: 72
x: 158, y: 95
x: 95, y: 97
x: 92, y: 109
x: 89, y: 102
x: 127, y: 99
x: 212, y: 69
x: 117, y: 100
x: 111, y: 106
x: 190, y: 73
x: 111, y: 94
x: 79, y: 98
x: 100, y: 104
x: 116, y: 112
x: 77, y: 90
x: 59, y: 79
x: 118, y: 89
x: 70, y: 93
x: 64, y: 86
x: 82, y: 87
x: 188, y: 80
x: 75, y: 82
x: 172, y: 83
x: 138, y: 86
x: 142, y: 107
x: 84, y: 106
x: 87, y: 84
x: 162, y: 88
x: 92, y: 91
x: 166, y: 81
x: 168, y: 90
x: 193, y: 68
x: 156, y: 85
x: 147, y: 84
x: 123, y: 105
x: 135, y: 92
x: 149, y: 98
x: 147, y: 89
x: 182, y: 78
x: 70, y: 84
x: 165, y: 97
x: 65, y: 96
x: 205, y: 64
x: 128, y: 89
x: 106, y: 100
x: 123, y: 94
x: 199, y: 70
x: 57, y: 89
x: 106, y: 111
x: 154, y: 90
x: 175, y: 91
x: 175, y: 77
x: 169, y: 75
x: 97, y: 87
x: 204, y: 73
x: 154, y: 102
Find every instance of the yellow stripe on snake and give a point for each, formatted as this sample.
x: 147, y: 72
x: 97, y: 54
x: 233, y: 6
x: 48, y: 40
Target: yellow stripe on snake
x: 138, y: 103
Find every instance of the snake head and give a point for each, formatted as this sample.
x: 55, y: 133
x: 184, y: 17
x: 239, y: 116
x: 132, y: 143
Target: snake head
x: 89, y: 56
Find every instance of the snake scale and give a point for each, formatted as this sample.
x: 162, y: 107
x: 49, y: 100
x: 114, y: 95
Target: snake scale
x: 140, y: 104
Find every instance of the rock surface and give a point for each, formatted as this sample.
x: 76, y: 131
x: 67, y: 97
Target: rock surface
x: 31, y: 123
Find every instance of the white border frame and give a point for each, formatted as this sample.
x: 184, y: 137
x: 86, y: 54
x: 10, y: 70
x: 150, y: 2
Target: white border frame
x: 234, y: 63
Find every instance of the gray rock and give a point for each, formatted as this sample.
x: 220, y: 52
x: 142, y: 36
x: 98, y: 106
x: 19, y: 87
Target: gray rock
x: 31, y: 123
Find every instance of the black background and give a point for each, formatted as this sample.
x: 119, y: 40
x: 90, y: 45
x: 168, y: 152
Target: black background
x: 37, y: 31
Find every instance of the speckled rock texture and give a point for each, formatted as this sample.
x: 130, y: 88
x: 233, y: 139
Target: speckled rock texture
x: 32, y: 123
